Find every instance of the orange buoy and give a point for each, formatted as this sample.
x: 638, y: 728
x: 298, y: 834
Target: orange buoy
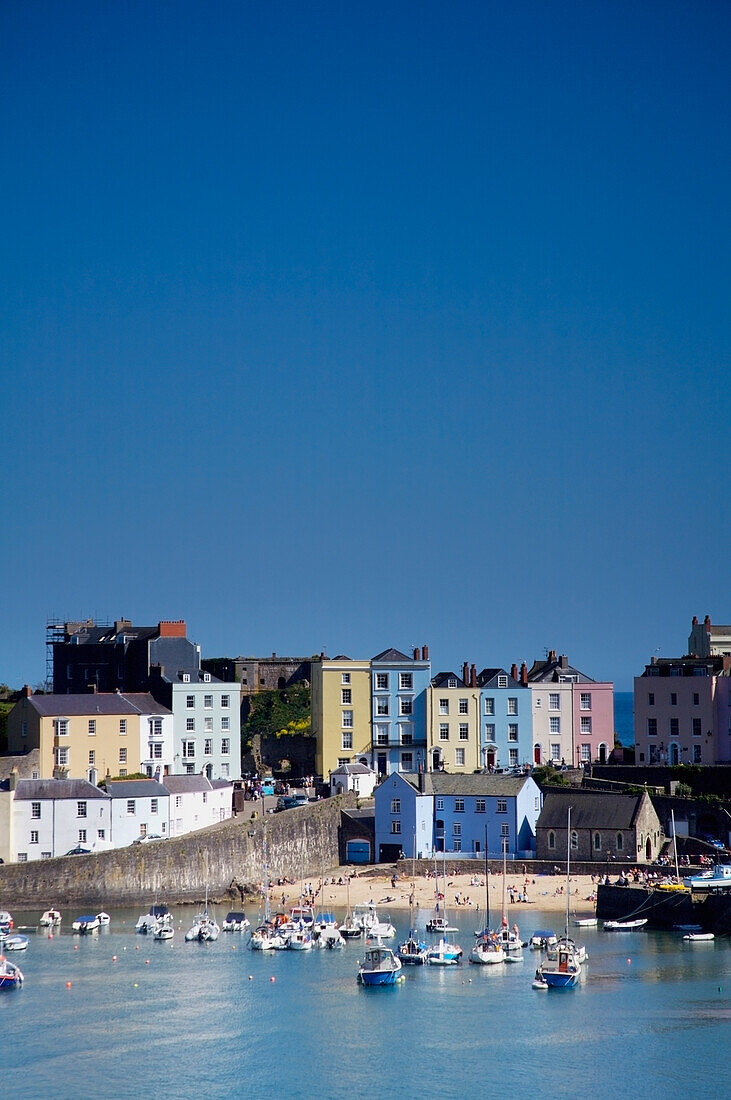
x: 68, y: 985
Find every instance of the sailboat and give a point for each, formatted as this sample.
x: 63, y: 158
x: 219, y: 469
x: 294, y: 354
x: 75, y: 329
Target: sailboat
x: 350, y: 929
x: 439, y: 923
x: 487, y: 950
x: 204, y: 927
x: 443, y: 953
x: 267, y: 936
x: 413, y: 950
x: 561, y: 969
x: 509, y: 938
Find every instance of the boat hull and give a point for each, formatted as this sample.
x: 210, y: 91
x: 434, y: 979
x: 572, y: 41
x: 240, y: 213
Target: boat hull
x: 373, y: 979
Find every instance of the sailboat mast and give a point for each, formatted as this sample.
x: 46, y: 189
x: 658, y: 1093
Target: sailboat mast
x: 487, y: 887
x: 675, y: 847
x: 568, y: 863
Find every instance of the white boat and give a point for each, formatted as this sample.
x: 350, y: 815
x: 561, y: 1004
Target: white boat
x: 326, y: 932
x: 585, y: 922
x: 6, y: 921
x: 561, y: 968
x: 716, y: 881
x: 578, y: 949
x: 542, y: 939
x: 104, y: 919
x: 235, y: 921
x: 444, y: 953
x: 156, y: 917
x: 204, y: 929
x: 441, y: 926
x: 624, y: 925
x: 350, y: 928
x: 300, y: 940
x: 164, y: 932
x: 488, y: 950
x: 11, y: 976
x: 699, y: 937
x: 87, y: 923
x: 514, y: 958
x: 50, y: 919
x: 15, y: 943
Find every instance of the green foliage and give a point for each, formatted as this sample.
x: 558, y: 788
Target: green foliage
x: 279, y: 713
x: 546, y: 776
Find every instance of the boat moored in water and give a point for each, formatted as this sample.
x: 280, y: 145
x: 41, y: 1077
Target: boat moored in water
x: 50, y: 919
x: 380, y: 966
x: 235, y: 921
x: 89, y: 922
x: 624, y: 925
x: 15, y: 943
x: 11, y: 976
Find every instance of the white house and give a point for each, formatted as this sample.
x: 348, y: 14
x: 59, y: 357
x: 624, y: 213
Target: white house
x: 139, y: 807
x: 196, y: 802
x: 353, y: 777
x: 207, y: 722
x: 50, y: 817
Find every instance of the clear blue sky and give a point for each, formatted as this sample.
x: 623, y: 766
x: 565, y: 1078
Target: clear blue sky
x: 347, y: 326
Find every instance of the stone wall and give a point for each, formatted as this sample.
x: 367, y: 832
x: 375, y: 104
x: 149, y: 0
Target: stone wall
x: 228, y: 858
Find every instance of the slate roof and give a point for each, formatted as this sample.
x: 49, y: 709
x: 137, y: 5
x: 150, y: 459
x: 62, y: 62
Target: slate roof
x: 488, y: 676
x: 352, y: 769
x: 391, y: 655
x: 92, y: 703
x: 551, y: 672
x: 589, y: 809
x: 136, y: 788
x: 175, y: 676
x: 442, y: 680
x: 39, y: 789
x: 182, y: 784
x: 442, y: 783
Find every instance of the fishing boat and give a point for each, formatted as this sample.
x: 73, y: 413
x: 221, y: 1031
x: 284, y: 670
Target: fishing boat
x: 412, y: 951
x: 11, y: 976
x: 561, y: 969
x: 235, y: 921
x: 15, y: 943
x: 624, y: 925
x: 488, y: 950
x: 715, y: 881
x: 50, y: 919
x: 86, y: 923
x: 380, y: 966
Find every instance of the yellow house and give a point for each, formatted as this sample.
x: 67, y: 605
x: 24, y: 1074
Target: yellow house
x: 341, y: 713
x: 453, y: 725
x: 81, y: 736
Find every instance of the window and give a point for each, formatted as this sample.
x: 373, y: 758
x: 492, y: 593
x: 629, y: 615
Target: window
x: 122, y: 727
x: 101, y: 834
x: 46, y: 855
x: 405, y: 681
x: 406, y: 706
x: 346, y: 696
x: 513, y: 758
x: 24, y: 728
x: 62, y: 727
x: 457, y: 829
x: 444, y: 706
x: 652, y: 727
x: 464, y: 731
x: 382, y: 706
x: 81, y: 809
x: 406, y: 734
x: 208, y: 746
x: 343, y: 760
x: 505, y: 830
x: 225, y: 746
x: 440, y: 803
x: 585, y: 700
x: 551, y: 841
x: 489, y: 706
x: 464, y: 706
x: 396, y: 827
x: 651, y: 699
x: 697, y: 754
x: 502, y: 805
x: 123, y: 756
x: 490, y: 733
x: 512, y: 731
x: 189, y: 769
x: 502, y: 681
x: 186, y: 677
x: 554, y: 701
x: 130, y: 807
x: 62, y: 757
x: 555, y: 752
x: 347, y: 739
x: 554, y: 725
x: 347, y: 719
x: 697, y: 699
x: 452, y: 682
x: 459, y: 805
x: 459, y: 758
x: 620, y: 842
x: 597, y: 842
x: 190, y: 725
x: 512, y: 705
x: 82, y: 836
x: 674, y: 727
x: 188, y: 749
x: 35, y: 809
x: 34, y: 836
x: 156, y: 727
x: 381, y: 681
x: 225, y: 701
x: 395, y: 805
x: 153, y: 805
x: 586, y: 725
x: 345, y: 678
x: 381, y: 735
x: 92, y: 727
x: 206, y: 677
x: 157, y: 751
x: 208, y: 701
x: 444, y: 731
x: 407, y: 761
x: 190, y: 701
x: 480, y: 806
x: 122, y: 772
x: 225, y: 723
x: 457, y: 844
x: 178, y: 801
x: 574, y: 841
x: 586, y: 754
x: 22, y: 857
x: 696, y: 727
x: 673, y: 699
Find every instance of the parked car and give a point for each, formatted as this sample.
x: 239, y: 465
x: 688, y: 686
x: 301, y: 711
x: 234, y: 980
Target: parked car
x: 148, y: 838
x: 79, y: 851
x: 711, y: 840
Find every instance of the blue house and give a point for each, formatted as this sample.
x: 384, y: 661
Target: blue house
x: 506, y: 718
x: 398, y: 690
x: 429, y: 812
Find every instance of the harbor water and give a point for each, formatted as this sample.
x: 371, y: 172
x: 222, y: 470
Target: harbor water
x: 116, y: 1014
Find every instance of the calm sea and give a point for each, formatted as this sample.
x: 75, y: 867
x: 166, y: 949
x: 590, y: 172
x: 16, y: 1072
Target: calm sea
x: 624, y: 724
x: 192, y: 1020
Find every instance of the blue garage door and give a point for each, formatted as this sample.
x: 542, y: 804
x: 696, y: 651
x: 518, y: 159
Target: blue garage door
x: 358, y: 851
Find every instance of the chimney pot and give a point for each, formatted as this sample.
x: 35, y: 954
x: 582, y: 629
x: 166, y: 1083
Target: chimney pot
x: 473, y: 676
x: 425, y: 653
x: 514, y: 671
x: 26, y: 691
x: 416, y: 653
x: 465, y: 672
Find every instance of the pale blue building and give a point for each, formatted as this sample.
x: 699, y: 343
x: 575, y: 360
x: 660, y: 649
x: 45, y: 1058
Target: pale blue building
x: 506, y: 718
x: 398, y: 698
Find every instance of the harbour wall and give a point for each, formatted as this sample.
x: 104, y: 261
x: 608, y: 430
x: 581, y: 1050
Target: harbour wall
x: 228, y: 859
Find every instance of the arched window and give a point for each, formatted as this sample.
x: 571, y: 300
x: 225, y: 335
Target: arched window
x: 597, y: 842
x: 620, y: 842
x: 551, y: 840
x: 574, y: 840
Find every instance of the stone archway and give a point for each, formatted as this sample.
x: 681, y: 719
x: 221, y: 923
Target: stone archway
x: 648, y: 850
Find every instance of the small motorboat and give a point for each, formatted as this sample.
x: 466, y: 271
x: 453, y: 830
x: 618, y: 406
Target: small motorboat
x: 542, y: 939
x: 380, y: 966
x: 6, y: 921
x: 86, y: 923
x: 624, y: 925
x: 104, y: 919
x: 15, y: 943
x: 350, y: 929
x: 694, y: 937
x: 326, y: 932
x: 585, y: 922
x: 50, y: 919
x: 204, y: 929
x: 164, y: 932
x: 539, y: 982
x: 11, y: 976
x: 149, y: 922
x: 444, y: 953
x: 514, y: 957
x: 441, y: 925
x: 235, y: 921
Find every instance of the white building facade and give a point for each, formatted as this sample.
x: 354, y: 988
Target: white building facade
x: 50, y: 817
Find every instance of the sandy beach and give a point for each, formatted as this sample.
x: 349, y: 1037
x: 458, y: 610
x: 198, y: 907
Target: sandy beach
x: 462, y: 891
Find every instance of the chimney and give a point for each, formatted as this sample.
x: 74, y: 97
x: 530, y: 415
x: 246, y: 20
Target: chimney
x: 694, y: 621
x: 465, y: 672
x: 552, y: 656
x: 425, y: 653
x: 119, y: 625
x: 514, y: 671
x: 707, y: 621
x: 172, y: 628
x: 416, y: 653
x: 422, y: 780
x: 13, y: 779
x: 524, y: 674
x: 563, y: 661
x: 26, y: 692
x: 473, y: 676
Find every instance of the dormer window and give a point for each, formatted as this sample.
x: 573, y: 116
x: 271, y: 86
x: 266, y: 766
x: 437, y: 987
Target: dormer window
x: 186, y: 677
x: 206, y: 677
